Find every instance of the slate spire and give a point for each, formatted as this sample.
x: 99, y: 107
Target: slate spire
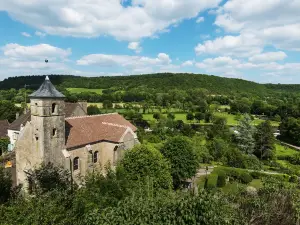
x: 47, y: 90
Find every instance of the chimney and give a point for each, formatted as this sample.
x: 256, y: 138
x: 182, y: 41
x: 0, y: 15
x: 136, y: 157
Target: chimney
x: 17, y: 115
x: 83, y: 105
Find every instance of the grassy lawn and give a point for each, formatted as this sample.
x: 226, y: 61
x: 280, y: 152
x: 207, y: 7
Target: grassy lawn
x: 80, y: 90
x: 231, y: 119
x: 256, y: 183
x: 284, y: 150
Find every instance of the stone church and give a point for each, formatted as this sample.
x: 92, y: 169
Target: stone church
x: 77, y: 143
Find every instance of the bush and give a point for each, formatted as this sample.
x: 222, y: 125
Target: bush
x: 256, y: 175
x: 245, y: 178
x: 251, y: 162
x: 293, y: 179
x: 212, y: 181
x: 221, y: 181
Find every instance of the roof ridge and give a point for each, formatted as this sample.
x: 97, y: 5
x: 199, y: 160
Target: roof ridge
x: 85, y: 116
x: 115, y: 125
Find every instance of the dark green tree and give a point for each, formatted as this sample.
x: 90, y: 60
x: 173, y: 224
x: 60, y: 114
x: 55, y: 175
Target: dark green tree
x: 5, y: 186
x: 3, y: 145
x: 181, y: 154
x: 245, y: 135
x: 143, y: 163
x: 93, y: 110
x: 189, y: 116
x: 264, y: 141
x: 199, y: 116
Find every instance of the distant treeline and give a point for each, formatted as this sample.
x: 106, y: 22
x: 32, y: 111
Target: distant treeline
x: 160, y: 82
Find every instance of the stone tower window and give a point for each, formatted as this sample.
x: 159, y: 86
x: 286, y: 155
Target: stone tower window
x: 54, y: 108
x: 76, y: 163
x: 54, y: 132
x: 95, y: 158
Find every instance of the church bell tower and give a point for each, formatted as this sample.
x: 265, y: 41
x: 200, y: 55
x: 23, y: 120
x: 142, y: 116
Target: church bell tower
x: 48, y: 119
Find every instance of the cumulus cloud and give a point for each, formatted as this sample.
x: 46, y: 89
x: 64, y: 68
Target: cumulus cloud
x: 268, y: 57
x: 135, y: 46
x: 16, y: 59
x: 37, y: 52
x: 123, y: 60
x: 25, y: 34
x: 243, y: 45
x: 226, y: 65
x: 276, y: 22
x: 143, y: 18
x: 187, y: 63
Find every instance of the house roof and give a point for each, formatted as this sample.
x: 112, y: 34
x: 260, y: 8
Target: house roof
x: 3, y: 128
x: 47, y: 90
x: 69, y: 108
x: 16, y: 125
x: 90, y: 129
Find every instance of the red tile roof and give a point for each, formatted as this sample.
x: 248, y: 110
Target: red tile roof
x: 4, y: 124
x: 84, y: 130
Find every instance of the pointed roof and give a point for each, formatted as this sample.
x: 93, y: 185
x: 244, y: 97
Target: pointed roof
x: 47, y: 90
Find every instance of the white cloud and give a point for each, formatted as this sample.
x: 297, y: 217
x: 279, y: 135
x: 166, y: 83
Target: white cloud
x: 133, y: 62
x: 268, y: 57
x: 38, y: 52
x: 200, y: 19
x: 188, y: 63
x: 243, y: 45
x: 25, y: 34
x: 40, y: 34
x: 135, y: 46
x: 16, y: 59
x: 143, y: 18
x: 223, y: 66
x: 276, y: 22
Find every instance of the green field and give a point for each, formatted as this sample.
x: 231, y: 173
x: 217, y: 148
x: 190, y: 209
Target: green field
x: 81, y: 90
x: 231, y: 119
x: 284, y: 150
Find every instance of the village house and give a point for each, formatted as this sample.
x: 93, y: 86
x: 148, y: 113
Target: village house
x: 79, y: 143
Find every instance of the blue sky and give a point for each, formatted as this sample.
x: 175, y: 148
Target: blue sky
x: 254, y: 40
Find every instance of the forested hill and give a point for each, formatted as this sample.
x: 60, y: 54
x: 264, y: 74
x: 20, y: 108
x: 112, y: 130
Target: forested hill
x: 160, y: 82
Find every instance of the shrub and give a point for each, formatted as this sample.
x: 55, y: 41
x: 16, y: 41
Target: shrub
x: 156, y: 116
x: 245, y: 178
x: 256, y: 175
x: 293, y: 179
x: 212, y: 181
x: 251, y: 162
x: 221, y: 181
x: 233, y: 174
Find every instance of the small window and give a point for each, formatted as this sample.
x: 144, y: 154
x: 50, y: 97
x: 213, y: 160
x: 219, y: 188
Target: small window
x: 54, y: 132
x: 76, y: 163
x: 53, y: 108
x: 95, y: 158
x: 115, y: 156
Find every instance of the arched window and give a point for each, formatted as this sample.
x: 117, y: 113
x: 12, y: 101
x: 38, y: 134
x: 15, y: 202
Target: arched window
x: 115, y: 156
x: 95, y: 158
x: 53, y: 108
x: 54, y: 132
x: 76, y: 163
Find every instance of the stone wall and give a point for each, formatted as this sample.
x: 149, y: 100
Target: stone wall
x: 28, y: 154
x: 105, y: 155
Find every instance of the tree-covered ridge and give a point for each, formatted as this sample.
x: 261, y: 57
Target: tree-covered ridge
x: 161, y: 82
